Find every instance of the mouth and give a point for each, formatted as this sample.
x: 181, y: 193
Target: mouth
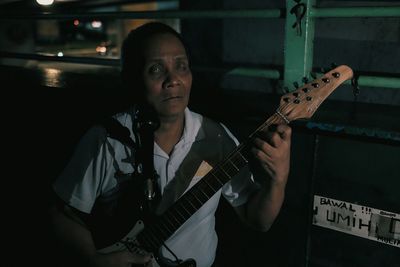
x: 171, y: 98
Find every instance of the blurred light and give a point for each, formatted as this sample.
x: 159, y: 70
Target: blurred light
x: 52, y: 77
x: 96, y: 24
x: 76, y: 22
x: 60, y: 54
x: 45, y: 2
x: 101, y: 50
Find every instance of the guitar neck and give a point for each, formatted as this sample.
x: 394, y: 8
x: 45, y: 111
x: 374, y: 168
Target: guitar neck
x: 301, y: 103
x: 154, y: 235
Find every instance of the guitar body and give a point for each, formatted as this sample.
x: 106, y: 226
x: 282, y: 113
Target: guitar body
x: 129, y: 242
x: 111, y: 225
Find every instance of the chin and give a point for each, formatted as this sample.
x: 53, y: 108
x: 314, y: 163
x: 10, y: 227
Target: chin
x: 173, y: 112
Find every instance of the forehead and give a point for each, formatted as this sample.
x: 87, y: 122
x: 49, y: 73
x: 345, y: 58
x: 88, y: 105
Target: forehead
x: 163, y: 44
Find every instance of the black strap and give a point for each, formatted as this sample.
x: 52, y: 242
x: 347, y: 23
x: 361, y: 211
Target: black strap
x: 119, y: 132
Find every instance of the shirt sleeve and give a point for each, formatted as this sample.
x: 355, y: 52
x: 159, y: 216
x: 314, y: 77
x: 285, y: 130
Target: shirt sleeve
x: 242, y: 185
x: 83, y: 178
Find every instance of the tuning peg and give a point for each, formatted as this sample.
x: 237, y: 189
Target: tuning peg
x: 285, y: 89
x: 296, y: 85
x: 354, y: 83
x: 313, y: 75
x: 305, y: 80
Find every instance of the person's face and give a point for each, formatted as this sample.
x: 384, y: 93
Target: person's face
x: 166, y: 74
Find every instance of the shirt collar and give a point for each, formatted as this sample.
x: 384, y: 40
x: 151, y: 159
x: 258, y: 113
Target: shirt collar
x: 191, y: 131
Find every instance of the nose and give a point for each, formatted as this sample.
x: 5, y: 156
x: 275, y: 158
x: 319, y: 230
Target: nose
x: 171, y: 79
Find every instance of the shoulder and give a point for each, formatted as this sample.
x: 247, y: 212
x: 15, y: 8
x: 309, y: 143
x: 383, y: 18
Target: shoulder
x: 117, y: 126
x: 212, y: 129
x: 218, y: 128
x: 126, y: 117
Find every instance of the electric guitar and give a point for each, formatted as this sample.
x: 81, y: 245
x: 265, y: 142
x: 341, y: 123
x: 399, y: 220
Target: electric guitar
x: 299, y: 104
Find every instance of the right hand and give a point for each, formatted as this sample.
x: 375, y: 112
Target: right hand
x: 121, y: 259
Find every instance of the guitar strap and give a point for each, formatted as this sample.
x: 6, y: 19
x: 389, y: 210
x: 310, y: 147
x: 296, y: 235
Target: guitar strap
x: 211, y: 145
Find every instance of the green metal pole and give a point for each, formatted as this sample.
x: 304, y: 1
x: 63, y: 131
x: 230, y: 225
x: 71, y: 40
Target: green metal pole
x: 382, y: 82
x: 298, y: 48
x: 375, y: 81
x: 256, y: 72
x: 355, y: 12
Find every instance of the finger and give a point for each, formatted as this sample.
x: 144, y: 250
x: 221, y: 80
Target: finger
x: 276, y: 139
x: 285, y: 131
x: 264, y: 159
x: 264, y: 146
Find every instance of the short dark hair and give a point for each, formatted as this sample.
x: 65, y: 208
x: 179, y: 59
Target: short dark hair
x: 132, y: 56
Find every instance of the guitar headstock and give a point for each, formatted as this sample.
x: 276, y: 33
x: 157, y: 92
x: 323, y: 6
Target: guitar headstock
x: 303, y: 102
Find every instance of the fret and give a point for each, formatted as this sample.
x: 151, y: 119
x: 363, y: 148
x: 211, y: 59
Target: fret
x: 152, y: 238
x: 187, y: 204
x: 238, y: 161
x: 203, y: 188
x: 158, y: 233
x: 222, y: 176
x: 198, y: 195
x: 226, y: 173
x: 195, y: 198
x: 167, y: 219
x: 215, y: 184
x: 202, y: 191
x: 182, y: 206
x: 234, y: 166
x: 161, y: 224
x: 227, y: 168
x: 164, y: 234
x: 183, y: 217
x: 207, y: 183
x: 216, y: 178
x: 191, y: 204
x: 171, y: 215
x: 242, y: 158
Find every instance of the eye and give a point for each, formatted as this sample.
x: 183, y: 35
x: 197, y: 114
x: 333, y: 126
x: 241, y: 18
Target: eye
x: 156, y: 69
x: 182, y: 66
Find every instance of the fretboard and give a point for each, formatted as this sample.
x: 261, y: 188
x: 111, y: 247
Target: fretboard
x: 154, y: 235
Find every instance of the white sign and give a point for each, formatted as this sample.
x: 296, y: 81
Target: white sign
x: 378, y: 225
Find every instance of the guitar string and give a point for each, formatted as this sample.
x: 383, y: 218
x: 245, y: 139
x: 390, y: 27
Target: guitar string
x: 226, y: 169
x: 233, y: 160
x: 170, y: 216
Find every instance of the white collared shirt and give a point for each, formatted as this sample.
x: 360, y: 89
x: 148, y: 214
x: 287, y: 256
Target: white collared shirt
x: 90, y: 174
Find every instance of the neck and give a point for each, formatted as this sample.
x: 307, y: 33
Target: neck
x: 169, y: 133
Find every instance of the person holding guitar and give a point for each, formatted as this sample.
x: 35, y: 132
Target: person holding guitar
x: 113, y: 213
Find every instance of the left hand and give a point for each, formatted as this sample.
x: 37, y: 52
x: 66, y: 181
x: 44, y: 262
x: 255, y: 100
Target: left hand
x: 272, y: 149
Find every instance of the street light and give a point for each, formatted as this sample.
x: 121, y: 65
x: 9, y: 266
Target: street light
x: 45, y: 2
